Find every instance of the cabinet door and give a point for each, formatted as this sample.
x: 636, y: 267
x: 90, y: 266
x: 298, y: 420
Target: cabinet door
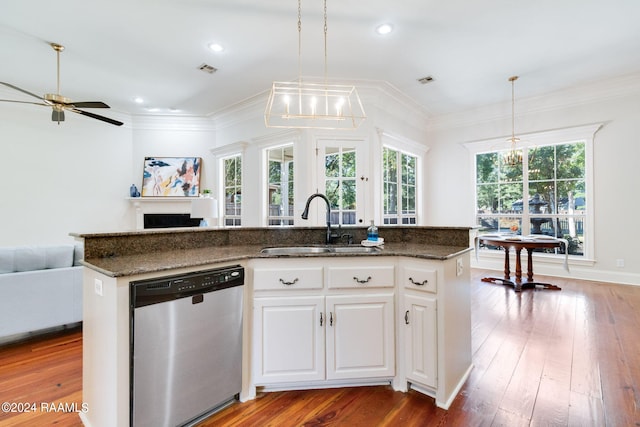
x: 360, y: 336
x: 288, y: 340
x: 420, y: 339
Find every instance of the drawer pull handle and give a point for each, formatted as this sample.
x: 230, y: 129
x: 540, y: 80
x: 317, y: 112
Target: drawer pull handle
x: 330, y: 318
x: 321, y: 319
x: 289, y: 283
x: 406, y: 317
x: 424, y: 282
x: 362, y: 281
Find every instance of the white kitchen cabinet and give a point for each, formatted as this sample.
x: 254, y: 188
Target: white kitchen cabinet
x: 311, y: 331
x: 360, y: 336
x: 421, y: 339
x: 289, y: 339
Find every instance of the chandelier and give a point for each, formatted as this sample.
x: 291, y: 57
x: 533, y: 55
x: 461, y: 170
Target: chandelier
x: 513, y: 157
x: 313, y: 105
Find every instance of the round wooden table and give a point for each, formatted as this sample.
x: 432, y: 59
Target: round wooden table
x: 519, y: 243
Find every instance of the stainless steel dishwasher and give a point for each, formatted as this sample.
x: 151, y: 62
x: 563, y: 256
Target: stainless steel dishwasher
x: 186, y: 346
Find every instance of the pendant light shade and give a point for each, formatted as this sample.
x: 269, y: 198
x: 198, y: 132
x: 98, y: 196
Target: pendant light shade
x: 313, y: 105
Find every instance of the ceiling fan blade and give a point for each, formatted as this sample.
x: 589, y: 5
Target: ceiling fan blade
x: 21, y: 90
x: 97, y: 117
x: 87, y: 104
x: 57, y: 115
x: 24, y: 102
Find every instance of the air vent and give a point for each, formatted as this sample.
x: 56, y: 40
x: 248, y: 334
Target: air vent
x: 425, y: 80
x: 207, y: 68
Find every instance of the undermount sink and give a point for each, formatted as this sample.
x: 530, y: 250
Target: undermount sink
x: 292, y: 250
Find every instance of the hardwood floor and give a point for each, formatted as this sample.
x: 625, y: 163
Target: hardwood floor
x: 541, y: 358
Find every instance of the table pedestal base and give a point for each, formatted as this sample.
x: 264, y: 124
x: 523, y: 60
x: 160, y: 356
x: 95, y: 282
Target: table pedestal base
x: 519, y: 286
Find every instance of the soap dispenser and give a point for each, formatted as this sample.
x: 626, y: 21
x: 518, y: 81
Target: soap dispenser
x: 372, y: 232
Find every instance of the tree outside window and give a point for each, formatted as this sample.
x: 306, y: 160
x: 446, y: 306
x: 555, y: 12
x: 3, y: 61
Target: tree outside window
x: 399, y: 187
x: 552, y: 181
x: 280, y: 185
x: 232, y: 170
x: 340, y: 184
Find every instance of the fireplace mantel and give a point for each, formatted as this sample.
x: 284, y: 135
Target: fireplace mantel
x: 156, y: 205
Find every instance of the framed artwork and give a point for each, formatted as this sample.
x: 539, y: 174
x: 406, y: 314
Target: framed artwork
x: 171, y: 177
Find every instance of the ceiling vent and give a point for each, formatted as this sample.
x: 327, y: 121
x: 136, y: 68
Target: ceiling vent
x: 207, y: 68
x: 425, y: 80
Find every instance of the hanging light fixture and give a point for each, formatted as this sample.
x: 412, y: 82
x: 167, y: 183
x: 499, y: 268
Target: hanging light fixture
x: 513, y: 157
x: 313, y: 105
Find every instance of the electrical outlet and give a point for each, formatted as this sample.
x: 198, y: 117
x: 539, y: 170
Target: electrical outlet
x: 620, y: 263
x: 459, y: 267
x: 97, y: 286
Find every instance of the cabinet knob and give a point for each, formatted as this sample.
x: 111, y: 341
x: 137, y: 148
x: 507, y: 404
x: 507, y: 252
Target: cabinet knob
x: 424, y: 282
x: 406, y: 317
x: 330, y: 318
x: 362, y: 281
x: 289, y: 283
x: 321, y: 319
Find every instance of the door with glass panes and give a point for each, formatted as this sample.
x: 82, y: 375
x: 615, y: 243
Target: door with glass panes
x: 342, y: 178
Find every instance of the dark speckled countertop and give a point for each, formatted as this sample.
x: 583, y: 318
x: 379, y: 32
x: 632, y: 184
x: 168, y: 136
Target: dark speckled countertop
x: 139, y: 252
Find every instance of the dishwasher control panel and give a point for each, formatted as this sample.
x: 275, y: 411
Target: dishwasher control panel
x: 153, y: 291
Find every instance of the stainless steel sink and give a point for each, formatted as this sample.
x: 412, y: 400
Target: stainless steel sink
x: 288, y: 250
x: 355, y: 249
x: 293, y: 250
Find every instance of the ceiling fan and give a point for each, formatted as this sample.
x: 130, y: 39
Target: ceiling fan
x: 60, y: 103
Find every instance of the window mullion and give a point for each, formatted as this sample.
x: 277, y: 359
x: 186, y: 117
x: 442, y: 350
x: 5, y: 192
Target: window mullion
x: 526, y: 221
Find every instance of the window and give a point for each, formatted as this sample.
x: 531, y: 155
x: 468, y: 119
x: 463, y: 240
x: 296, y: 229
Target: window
x: 399, y: 187
x: 232, y: 173
x: 548, y: 193
x: 340, y: 183
x: 280, y: 194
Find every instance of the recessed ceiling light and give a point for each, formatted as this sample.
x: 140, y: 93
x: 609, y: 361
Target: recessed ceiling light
x: 138, y: 100
x: 384, y: 29
x: 216, y: 47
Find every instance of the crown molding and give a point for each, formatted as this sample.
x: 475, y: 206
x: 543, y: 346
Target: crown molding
x: 584, y: 94
x: 374, y: 94
x: 172, y: 122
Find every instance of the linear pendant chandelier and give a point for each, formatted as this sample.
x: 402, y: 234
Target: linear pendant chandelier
x: 302, y: 105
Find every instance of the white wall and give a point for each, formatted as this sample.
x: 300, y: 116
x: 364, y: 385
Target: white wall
x: 58, y: 179
x: 616, y: 173
x: 75, y: 177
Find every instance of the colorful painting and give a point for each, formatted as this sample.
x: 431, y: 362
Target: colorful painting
x: 171, y: 177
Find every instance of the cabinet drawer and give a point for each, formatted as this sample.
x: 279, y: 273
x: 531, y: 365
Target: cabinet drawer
x: 287, y: 278
x: 420, y: 279
x: 361, y: 277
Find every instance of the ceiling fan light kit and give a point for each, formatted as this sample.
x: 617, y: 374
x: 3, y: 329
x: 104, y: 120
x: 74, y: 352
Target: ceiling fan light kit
x: 58, y: 103
x: 302, y: 105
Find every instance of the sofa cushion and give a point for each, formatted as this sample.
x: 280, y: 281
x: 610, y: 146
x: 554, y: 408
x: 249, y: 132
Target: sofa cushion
x: 78, y: 254
x: 30, y: 258
x: 7, y: 260
x: 59, y: 256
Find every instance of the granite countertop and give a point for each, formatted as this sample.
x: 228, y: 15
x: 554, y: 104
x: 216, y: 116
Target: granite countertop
x: 134, y: 264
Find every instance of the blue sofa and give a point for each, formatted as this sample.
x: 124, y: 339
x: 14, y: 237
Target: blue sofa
x: 40, y: 289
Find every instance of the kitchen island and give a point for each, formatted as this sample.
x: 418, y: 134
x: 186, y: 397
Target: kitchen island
x: 413, y: 294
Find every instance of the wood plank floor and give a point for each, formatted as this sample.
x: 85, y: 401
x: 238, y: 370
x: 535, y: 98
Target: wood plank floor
x: 541, y: 358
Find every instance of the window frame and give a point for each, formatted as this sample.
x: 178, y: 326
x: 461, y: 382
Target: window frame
x: 399, y: 215
x: 406, y: 146
x: 585, y: 134
x: 267, y: 218
x: 237, y: 219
